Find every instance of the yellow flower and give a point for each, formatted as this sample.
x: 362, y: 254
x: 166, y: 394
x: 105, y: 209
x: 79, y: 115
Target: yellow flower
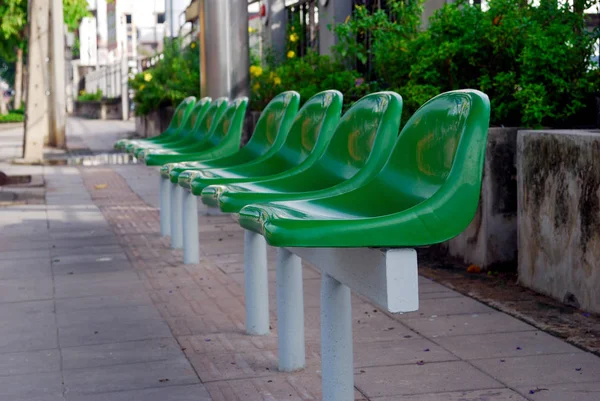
x: 256, y: 70
x: 81, y: 92
x: 193, y: 45
x: 147, y: 77
x: 291, y: 54
x: 347, y: 20
x: 294, y: 37
x: 256, y: 86
x: 277, y: 81
x: 142, y: 86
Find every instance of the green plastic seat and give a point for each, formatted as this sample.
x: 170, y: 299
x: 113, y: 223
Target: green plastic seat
x: 223, y: 138
x: 358, y: 150
x: 269, y: 134
x: 311, y: 131
x: 179, y: 118
x: 197, y: 139
x: 427, y: 192
x: 193, y: 130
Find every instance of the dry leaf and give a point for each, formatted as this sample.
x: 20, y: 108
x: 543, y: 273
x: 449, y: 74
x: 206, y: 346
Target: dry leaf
x: 100, y: 186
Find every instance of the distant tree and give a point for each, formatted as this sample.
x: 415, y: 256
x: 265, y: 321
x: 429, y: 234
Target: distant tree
x: 13, y: 33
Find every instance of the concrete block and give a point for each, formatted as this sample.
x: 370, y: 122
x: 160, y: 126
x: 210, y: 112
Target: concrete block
x: 491, y: 239
x: 559, y: 215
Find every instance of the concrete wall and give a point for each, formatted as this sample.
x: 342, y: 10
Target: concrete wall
x: 154, y: 123
x: 102, y: 110
x: 491, y: 239
x: 558, y: 176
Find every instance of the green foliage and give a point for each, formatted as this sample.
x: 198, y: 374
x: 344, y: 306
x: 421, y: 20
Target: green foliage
x: 308, y: 76
x: 12, y: 117
x: 90, y: 97
x: 74, y: 11
x: 381, y: 39
x: 533, y: 61
x: 171, y: 80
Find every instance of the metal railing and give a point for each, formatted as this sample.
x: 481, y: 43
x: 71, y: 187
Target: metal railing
x: 107, y: 78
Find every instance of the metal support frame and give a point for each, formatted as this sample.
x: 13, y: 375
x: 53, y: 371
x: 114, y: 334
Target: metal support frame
x: 176, y: 216
x: 256, y: 284
x: 191, y: 249
x: 387, y: 278
x: 165, y: 206
x: 290, y: 312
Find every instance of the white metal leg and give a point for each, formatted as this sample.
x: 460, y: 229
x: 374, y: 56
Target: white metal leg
x: 191, y: 251
x: 336, y: 341
x: 290, y: 312
x: 176, y: 217
x: 256, y: 284
x: 165, y: 206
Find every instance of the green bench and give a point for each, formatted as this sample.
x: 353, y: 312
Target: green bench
x: 270, y: 133
x: 173, y: 131
x: 363, y: 239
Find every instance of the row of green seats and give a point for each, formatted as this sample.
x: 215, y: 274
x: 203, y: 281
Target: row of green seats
x: 311, y: 179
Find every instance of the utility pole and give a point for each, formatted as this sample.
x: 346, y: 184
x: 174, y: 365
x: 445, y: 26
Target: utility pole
x: 58, y: 104
x: 37, y: 125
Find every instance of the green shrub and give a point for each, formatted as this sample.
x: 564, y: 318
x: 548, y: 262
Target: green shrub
x: 90, y: 97
x: 533, y: 61
x: 12, y: 117
x: 308, y: 76
x: 171, y: 80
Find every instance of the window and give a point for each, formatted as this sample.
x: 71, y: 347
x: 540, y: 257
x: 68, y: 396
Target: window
x: 128, y: 18
x: 160, y: 18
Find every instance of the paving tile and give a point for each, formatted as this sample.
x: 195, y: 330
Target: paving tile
x: 107, y: 257
x: 477, y: 395
x: 537, y: 370
x: 97, y: 284
x: 563, y: 392
x: 130, y: 377
x: 20, y: 363
x: 450, y: 306
x: 399, y: 352
x: 113, y: 315
x: 23, y: 339
x: 227, y: 342
x: 496, y: 345
x: 80, y: 249
x: 242, y: 365
x: 25, y: 269
x: 295, y: 387
x: 39, y: 253
x: 193, y: 392
x: 102, y: 333
x: 455, y: 325
x: 18, y: 290
x: 421, y: 379
x: 124, y: 299
x: 32, y: 387
x: 120, y: 353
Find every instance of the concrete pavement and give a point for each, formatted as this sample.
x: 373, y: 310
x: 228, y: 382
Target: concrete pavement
x: 94, y: 305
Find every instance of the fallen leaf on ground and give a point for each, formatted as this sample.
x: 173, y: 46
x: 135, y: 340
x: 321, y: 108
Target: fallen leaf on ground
x: 100, y: 186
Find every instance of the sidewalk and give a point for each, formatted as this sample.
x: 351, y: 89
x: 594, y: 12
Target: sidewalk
x: 94, y: 306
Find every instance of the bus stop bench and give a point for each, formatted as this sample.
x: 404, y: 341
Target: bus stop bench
x: 363, y: 239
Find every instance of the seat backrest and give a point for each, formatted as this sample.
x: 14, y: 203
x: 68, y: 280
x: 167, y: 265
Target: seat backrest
x: 273, y: 125
x: 215, y: 110
x: 442, y: 146
x: 181, y: 114
x: 195, y: 116
x: 314, y: 123
x: 230, y: 125
x: 363, y: 138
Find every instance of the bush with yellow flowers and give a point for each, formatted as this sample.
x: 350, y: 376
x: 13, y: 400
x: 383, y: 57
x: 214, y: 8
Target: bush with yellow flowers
x: 175, y: 77
x: 307, y: 75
